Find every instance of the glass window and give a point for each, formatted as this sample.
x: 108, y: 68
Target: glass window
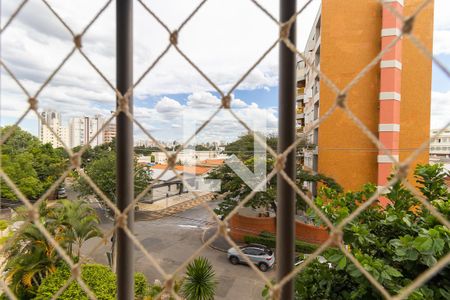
x: 251, y: 251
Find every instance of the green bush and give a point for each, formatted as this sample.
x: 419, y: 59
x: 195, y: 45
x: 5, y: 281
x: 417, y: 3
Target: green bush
x: 100, y: 279
x: 3, y: 225
x: 268, y: 239
x: 140, y: 285
x: 395, y: 244
x: 199, y: 282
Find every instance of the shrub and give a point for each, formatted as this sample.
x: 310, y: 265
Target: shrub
x: 140, y: 285
x: 100, y: 279
x: 199, y: 283
x: 268, y: 239
x: 395, y: 244
x: 3, y: 225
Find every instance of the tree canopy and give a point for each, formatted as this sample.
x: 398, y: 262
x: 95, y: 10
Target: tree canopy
x: 100, y: 165
x: 394, y: 244
x: 31, y: 165
x: 233, y: 188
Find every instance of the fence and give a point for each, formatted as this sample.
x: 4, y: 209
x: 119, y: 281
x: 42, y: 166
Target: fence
x: 285, y: 156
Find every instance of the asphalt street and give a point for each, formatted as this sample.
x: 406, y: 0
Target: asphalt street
x: 172, y: 240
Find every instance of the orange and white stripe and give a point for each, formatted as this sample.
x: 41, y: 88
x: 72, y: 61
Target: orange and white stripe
x: 390, y: 91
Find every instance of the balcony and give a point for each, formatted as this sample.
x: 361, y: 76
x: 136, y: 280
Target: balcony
x: 301, y: 74
x: 316, y: 97
x: 300, y: 116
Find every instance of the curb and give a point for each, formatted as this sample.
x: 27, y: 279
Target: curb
x: 210, y: 245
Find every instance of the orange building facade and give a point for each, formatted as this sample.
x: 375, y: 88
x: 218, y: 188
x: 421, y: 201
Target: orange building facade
x: 392, y: 100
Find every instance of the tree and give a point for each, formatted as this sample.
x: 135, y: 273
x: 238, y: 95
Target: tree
x: 243, y: 147
x: 199, y: 282
x: 395, y: 244
x: 31, y: 165
x: 30, y: 257
x: 79, y: 222
x: 233, y: 189
x: 102, y: 170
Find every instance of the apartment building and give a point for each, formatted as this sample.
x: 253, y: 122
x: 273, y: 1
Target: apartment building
x: 346, y: 37
x: 47, y: 133
x: 84, y: 129
x: 109, y: 134
x: 440, y: 145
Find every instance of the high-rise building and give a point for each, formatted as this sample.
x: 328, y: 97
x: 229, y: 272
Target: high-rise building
x: 83, y: 130
x: 95, y: 125
x: 77, y: 132
x: 47, y: 133
x: 392, y: 99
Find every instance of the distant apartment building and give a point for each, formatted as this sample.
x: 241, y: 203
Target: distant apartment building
x: 109, y: 134
x: 53, y: 126
x: 83, y: 131
x: 440, y: 145
x: 392, y: 99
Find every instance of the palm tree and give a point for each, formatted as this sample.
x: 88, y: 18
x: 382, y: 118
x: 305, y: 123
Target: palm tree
x: 199, y: 283
x: 29, y: 257
x: 79, y: 223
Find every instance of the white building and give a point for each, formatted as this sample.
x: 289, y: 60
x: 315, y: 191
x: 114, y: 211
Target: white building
x: 440, y: 145
x: 83, y: 129
x: 188, y: 156
x: 95, y: 124
x: 53, y: 121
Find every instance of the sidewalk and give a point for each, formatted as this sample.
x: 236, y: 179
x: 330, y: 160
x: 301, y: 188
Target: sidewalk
x: 219, y: 244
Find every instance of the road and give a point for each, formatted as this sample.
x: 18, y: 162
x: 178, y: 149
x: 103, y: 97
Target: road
x: 173, y: 239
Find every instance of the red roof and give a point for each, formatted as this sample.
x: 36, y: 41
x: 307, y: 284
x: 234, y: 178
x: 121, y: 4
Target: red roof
x: 187, y: 169
x: 213, y: 162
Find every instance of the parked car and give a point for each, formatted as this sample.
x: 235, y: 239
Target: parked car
x: 300, y: 259
x: 61, y: 193
x: 260, y: 255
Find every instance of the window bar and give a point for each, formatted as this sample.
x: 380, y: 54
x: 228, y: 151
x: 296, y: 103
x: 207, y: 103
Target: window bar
x: 286, y: 131
x: 124, y: 145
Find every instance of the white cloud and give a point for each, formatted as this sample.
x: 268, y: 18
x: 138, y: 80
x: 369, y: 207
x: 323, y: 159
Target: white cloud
x: 441, y: 42
x: 440, y: 108
x: 199, y: 107
x: 441, y: 36
x: 167, y: 106
x: 202, y: 100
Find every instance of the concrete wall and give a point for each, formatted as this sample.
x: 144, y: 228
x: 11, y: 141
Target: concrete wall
x: 241, y: 226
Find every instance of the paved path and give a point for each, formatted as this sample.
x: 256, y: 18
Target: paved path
x: 148, y: 215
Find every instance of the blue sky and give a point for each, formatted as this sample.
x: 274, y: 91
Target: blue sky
x: 34, y: 44
x: 440, y: 81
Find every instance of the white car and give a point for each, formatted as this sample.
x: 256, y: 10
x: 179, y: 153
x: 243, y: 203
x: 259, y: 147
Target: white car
x: 260, y: 255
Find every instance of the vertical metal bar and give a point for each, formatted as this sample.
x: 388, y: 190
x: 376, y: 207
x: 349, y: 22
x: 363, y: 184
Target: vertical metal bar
x: 124, y: 146
x: 286, y: 130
